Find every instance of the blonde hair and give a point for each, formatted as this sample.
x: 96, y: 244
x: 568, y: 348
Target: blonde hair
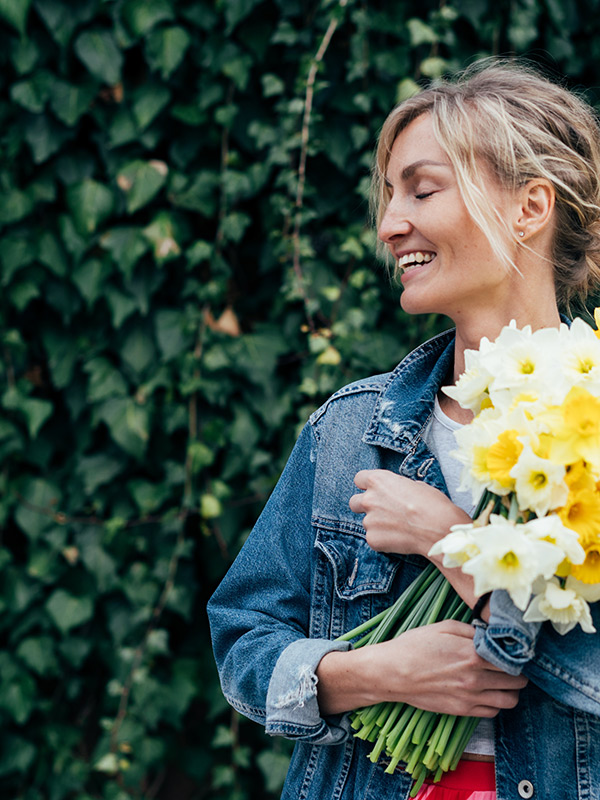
x: 512, y: 120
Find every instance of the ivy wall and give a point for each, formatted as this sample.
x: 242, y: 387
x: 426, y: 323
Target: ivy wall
x: 186, y: 272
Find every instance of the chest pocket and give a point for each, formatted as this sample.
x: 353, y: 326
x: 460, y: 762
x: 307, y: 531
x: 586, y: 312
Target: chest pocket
x: 357, y: 569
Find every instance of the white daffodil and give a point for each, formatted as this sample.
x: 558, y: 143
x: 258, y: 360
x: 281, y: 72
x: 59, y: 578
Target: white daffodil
x: 551, y: 529
x: 471, y: 389
x: 511, y: 560
x: 539, y: 483
x: 564, y: 608
x: 589, y: 591
x: 474, y: 441
x: 457, y: 547
x: 521, y: 362
x: 580, y: 358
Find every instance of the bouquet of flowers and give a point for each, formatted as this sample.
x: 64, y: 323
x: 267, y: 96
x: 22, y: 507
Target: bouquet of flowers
x: 531, y: 457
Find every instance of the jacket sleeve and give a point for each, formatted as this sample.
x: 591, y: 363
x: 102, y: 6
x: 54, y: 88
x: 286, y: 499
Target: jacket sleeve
x: 259, y: 615
x: 565, y: 667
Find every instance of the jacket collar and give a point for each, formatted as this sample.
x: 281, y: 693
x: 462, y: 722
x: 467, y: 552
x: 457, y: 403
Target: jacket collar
x: 407, y: 398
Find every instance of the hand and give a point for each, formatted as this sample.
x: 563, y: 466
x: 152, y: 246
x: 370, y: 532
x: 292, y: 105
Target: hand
x: 447, y: 674
x: 434, y: 667
x: 402, y: 515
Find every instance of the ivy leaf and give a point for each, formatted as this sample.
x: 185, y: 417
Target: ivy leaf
x: 90, y: 203
x: 14, y: 206
x: 142, y: 15
x: 141, y: 181
x: 148, y: 102
x: 126, y: 245
x: 97, y: 470
x: 68, y: 611
x: 16, y: 753
x: 15, y: 13
x: 161, y: 234
x: 128, y: 424
x: 42, y: 499
x: 70, y: 102
x: 99, y: 51
x: 34, y: 410
x: 166, y: 48
x: 105, y: 381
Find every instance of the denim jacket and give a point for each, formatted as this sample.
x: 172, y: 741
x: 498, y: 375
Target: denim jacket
x: 307, y: 575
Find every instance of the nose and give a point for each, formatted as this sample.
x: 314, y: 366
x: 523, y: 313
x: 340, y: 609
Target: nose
x: 394, y: 224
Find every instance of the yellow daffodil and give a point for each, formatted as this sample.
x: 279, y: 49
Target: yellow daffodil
x: 581, y: 513
x: 579, y: 476
x: 577, y: 431
x: 589, y: 571
x: 502, y: 456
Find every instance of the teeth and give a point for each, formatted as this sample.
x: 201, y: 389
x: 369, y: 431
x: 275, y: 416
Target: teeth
x: 415, y: 258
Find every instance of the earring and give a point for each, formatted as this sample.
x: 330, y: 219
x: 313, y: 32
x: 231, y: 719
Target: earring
x: 521, y: 233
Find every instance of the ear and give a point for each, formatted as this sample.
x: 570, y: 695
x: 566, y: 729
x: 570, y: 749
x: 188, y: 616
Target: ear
x: 535, y: 208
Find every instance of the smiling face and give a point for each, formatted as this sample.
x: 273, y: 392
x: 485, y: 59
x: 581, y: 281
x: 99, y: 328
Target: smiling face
x: 447, y: 263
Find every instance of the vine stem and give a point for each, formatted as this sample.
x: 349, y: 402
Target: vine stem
x: 304, y: 139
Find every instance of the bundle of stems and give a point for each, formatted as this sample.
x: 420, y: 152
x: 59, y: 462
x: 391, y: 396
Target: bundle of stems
x: 428, y: 743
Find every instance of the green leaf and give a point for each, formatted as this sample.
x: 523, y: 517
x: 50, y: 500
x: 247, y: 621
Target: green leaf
x: 32, y: 94
x: 99, y: 51
x: 44, y: 136
x: 14, y: 206
x: 22, y: 293
x: 35, y: 411
x: 16, y: 753
x: 141, y: 181
x: 126, y: 245
x: 148, y: 496
x: 41, y: 500
x: 70, y: 102
x: 68, y: 611
x: 143, y: 15
x: 38, y: 654
x: 121, y: 305
x: 97, y: 470
x: 148, y: 102
x: 105, y: 381
x: 161, y: 234
x: 166, y: 48
x: 16, y: 252
x: 128, y: 424
x: 138, y: 350
x: 15, y: 12
x: 90, y: 278
x: 274, y: 767
x: 51, y: 254
x: 90, y: 203
x: 172, y: 338
x: 420, y: 32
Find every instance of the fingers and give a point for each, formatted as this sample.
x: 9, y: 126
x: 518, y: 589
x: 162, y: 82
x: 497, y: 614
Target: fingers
x: 361, y: 479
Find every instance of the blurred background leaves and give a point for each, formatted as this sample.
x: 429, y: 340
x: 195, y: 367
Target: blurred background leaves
x: 177, y: 296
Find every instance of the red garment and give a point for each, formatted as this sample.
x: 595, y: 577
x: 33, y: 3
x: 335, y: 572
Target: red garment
x: 471, y: 780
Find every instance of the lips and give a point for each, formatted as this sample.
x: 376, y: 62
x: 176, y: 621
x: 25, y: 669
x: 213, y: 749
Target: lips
x: 415, y: 258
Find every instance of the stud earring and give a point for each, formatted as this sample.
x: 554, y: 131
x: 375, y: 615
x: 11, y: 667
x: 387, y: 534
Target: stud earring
x: 521, y: 233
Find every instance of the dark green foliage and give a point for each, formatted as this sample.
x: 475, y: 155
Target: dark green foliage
x: 172, y: 309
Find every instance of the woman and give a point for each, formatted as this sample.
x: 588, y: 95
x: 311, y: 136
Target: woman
x: 489, y: 203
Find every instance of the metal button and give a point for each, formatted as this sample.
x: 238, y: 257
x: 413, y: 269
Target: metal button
x: 525, y: 789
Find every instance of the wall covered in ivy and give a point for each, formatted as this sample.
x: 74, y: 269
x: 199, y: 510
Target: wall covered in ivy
x: 187, y: 270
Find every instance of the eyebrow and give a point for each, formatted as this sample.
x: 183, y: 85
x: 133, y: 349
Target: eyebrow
x: 410, y: 170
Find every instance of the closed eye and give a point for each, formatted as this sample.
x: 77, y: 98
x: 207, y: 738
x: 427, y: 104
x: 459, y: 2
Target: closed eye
x: 424, y: 195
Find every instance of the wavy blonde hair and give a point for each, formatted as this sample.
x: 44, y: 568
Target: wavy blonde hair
x: 507, y: 117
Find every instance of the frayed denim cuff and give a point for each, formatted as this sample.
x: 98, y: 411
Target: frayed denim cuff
x: 506, y: 640
x: 292, y: 706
